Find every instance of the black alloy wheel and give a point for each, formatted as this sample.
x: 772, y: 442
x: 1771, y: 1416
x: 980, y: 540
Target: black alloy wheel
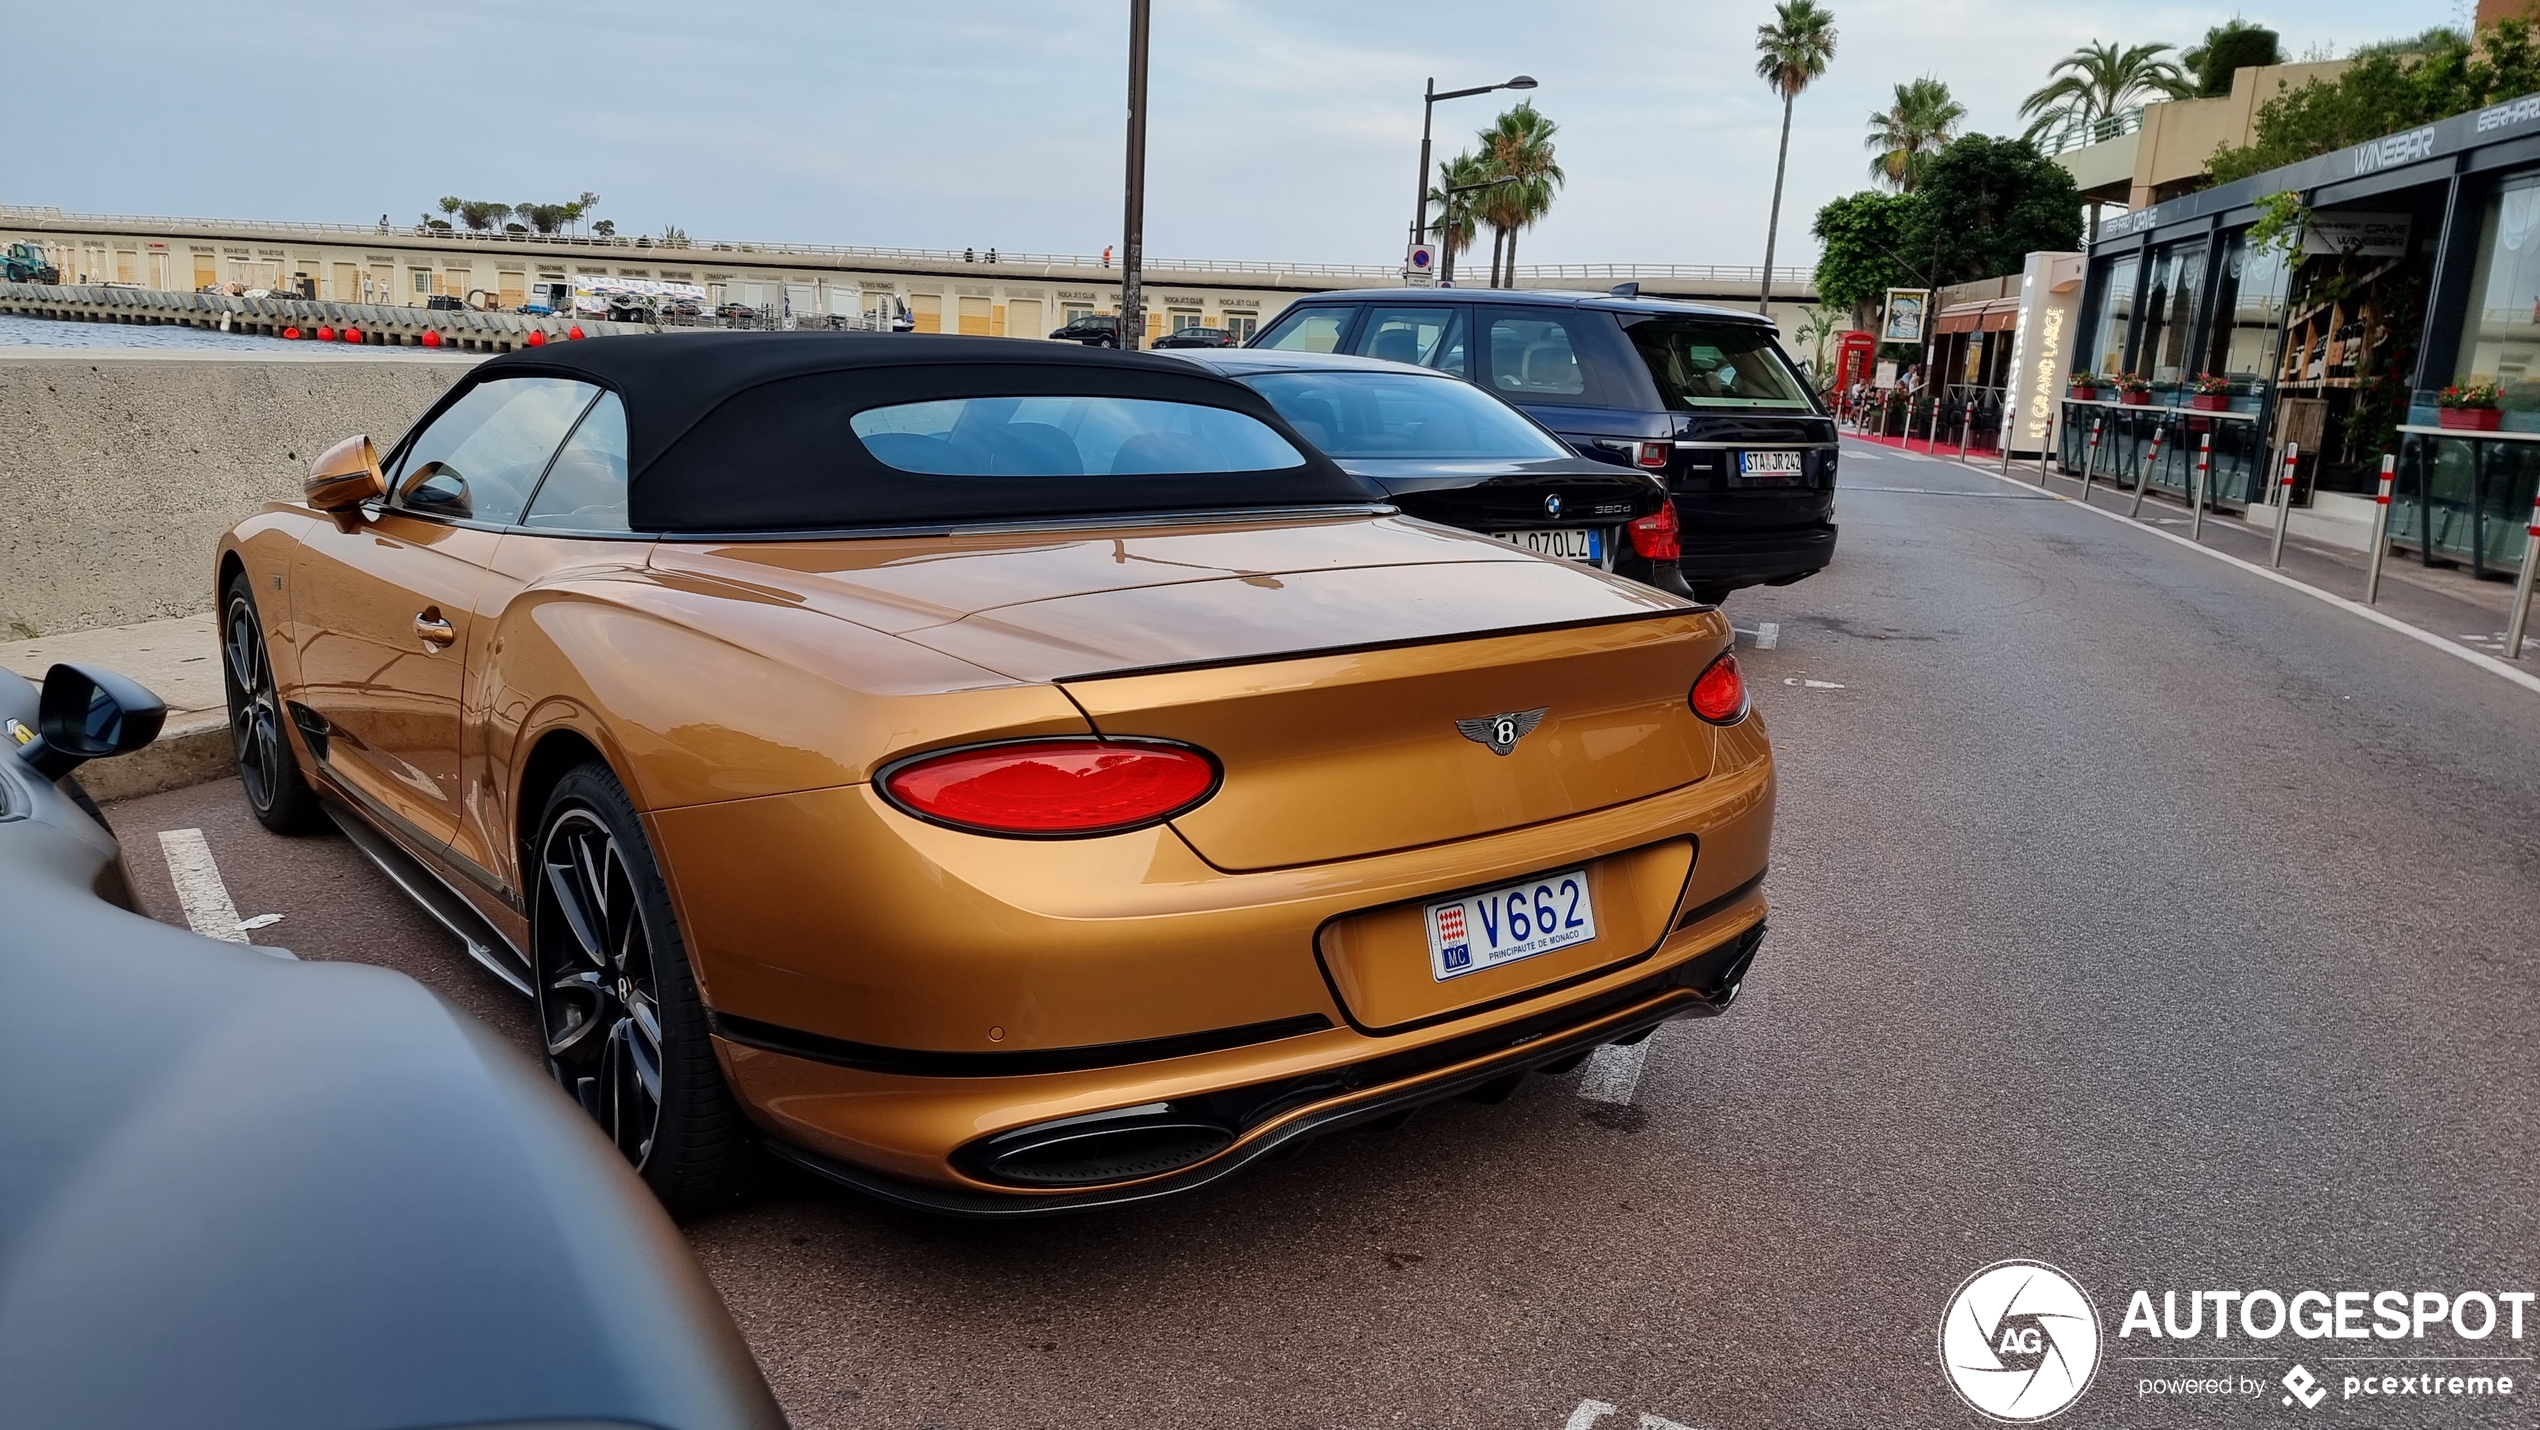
x: 268, y: 769
x: 625, y: 1031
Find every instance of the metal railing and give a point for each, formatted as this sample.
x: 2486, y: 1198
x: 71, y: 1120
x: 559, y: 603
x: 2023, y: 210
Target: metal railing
x: 735, y: 251
x: 2096, y: 131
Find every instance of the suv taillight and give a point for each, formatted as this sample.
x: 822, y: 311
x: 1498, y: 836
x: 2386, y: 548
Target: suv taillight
x: 1655, y: 537
x: 1052, y: 788
x: 1653, y: 455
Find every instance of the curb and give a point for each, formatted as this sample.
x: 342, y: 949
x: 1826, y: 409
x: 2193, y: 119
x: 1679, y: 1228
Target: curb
x: 193, y: 751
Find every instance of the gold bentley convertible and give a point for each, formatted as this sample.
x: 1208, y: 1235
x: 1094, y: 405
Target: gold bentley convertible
x: 1000, y: 777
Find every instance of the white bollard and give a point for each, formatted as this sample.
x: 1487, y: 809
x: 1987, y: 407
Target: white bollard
x: 2090, y: 459
x: 2522, y: 583
x: 2284, y: 497
x: 2196, y: 489
x: 2380, y: 528
x: 2143, y: 478
x: 2046, y: 446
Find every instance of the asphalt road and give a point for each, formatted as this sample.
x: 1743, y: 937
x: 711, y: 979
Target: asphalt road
x: 2131, y: 913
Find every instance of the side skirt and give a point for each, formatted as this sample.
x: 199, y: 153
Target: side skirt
x: 428, y: 889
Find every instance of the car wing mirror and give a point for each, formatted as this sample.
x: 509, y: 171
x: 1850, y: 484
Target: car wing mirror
x: 436, y: 487
x: 87, y: 712
x: 346, y: 475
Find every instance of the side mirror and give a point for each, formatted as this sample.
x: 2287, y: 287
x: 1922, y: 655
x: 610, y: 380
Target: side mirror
x: 87, y: 713
x: 346, y: 475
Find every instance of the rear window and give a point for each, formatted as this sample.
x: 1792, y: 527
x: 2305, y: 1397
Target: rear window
x: 1308, y: 330
x: 1707, y: 365
x: 1382, y: 414
x: 1068, y: 437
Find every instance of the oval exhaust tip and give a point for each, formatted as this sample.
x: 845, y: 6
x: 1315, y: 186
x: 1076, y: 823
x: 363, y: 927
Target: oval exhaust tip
x: 1101, y: 1147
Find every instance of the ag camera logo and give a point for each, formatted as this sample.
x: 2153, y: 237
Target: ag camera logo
x: 2019, y: 1341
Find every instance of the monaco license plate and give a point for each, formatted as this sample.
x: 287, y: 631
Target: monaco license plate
x: 1515, y: 921
x: 1583, y: 543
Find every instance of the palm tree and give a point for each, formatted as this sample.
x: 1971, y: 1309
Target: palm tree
x: 1518, y: 147
x: 1905, y: 135
x: 1790, y: 53
x: 1457, y: 212
x: 2097, y: 80
x: 2094, y: 82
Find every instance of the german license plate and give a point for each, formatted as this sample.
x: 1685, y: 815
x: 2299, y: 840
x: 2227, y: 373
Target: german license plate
x: 1772, y: 469
x: 1582, y: 543
x: 1503, y: 925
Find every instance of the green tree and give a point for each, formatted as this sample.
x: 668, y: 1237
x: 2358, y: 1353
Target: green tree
x: 1905, y: 135
x: 2099, y: 79
x: 1984, y: 205
x: 2387, y: 90
x: 1859, y: 238
x: 2232, y: 45
x: 1518, y: 147
x: 1457, y: 218
x: 1790, y: 54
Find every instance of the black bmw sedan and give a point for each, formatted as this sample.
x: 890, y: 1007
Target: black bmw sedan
x: 1448, y: 452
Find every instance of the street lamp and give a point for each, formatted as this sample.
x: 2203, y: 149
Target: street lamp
x: 1428, y: 106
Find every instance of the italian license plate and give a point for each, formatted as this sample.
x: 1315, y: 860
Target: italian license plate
x: 1583, y: 543
x: 1505, y: 924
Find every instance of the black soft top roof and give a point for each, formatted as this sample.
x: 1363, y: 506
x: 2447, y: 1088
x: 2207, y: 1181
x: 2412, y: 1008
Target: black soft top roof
x: 734, y: 432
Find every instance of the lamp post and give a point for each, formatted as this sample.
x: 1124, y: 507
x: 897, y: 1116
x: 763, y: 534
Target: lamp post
x: 1429, y: 98
x: 1132, y: 330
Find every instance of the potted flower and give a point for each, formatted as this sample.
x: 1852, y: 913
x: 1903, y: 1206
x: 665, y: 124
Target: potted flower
x: 2084, y: 385
x: 2471, y: 406
x: 2134, y: 389
x: 2210, y: 393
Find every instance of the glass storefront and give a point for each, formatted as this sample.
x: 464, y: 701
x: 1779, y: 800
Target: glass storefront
x: 2108, y: 331
x: 2248, y: 317
x: 2164, y: 351
x: 2500, y: 334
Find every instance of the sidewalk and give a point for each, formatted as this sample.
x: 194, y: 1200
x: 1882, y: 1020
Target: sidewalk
x: 2442, y: 601
x: 179, y: 660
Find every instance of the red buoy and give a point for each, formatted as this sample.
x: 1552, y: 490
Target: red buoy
x: 431, y: 339
x: 574, y: 332
x: 537, y: 338
x: 292, y: 333
x: 352, y: 335
x: 325, y: 333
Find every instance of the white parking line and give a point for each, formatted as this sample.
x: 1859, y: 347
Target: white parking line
x: 1589, y: 1412
x: 199, y: 888
x: 1613, y: 1073
x: 1765, y: 636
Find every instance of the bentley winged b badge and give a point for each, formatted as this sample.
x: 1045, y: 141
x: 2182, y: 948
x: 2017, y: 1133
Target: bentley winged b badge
x: 1502, y: 732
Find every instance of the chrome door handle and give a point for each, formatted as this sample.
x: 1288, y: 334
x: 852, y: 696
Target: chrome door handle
x: 433, y: 629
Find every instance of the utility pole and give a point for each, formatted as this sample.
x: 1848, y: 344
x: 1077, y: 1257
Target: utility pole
x: 1133, y: 226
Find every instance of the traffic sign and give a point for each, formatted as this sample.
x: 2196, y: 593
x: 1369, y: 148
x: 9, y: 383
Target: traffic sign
x: 1420, y: 266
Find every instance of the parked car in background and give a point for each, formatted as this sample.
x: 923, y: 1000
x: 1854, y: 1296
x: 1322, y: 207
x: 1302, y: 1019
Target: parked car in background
x: 1094, y: 330
x: 1447, y: 452
x: 1196, y: 336
x: 1702, y: 395
x: 1076, y: 787
x: 244, y: 1192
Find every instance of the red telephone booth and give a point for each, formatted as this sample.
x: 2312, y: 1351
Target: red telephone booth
x: 1855, y: 359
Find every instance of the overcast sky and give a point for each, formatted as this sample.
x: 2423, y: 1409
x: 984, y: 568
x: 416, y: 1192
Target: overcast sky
x: 1284, y: 130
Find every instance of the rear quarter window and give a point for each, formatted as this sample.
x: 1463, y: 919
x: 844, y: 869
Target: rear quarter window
x: 1308, y: 330
x: 1541, y: 355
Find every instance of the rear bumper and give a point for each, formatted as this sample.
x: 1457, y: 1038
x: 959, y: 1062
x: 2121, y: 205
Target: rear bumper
x: 1286, y: 1114
x: 1773, y: 557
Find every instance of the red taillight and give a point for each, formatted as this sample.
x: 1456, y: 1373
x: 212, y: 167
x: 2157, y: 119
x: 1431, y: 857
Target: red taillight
x: 1653, y: 455
x: 1052, y: 787
x: 1654, y: 536
x: 1720, y: 695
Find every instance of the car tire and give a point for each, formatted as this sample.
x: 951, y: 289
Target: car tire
x: 260, y: 740
x: 608, y: 962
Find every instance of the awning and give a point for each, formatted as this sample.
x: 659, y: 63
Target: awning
x: 1994, y: 315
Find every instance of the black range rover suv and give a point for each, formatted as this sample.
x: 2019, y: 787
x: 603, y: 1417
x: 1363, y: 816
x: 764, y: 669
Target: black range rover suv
x: 1699, y: 394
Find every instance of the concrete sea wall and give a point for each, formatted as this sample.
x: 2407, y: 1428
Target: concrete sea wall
x: 119, y: 471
